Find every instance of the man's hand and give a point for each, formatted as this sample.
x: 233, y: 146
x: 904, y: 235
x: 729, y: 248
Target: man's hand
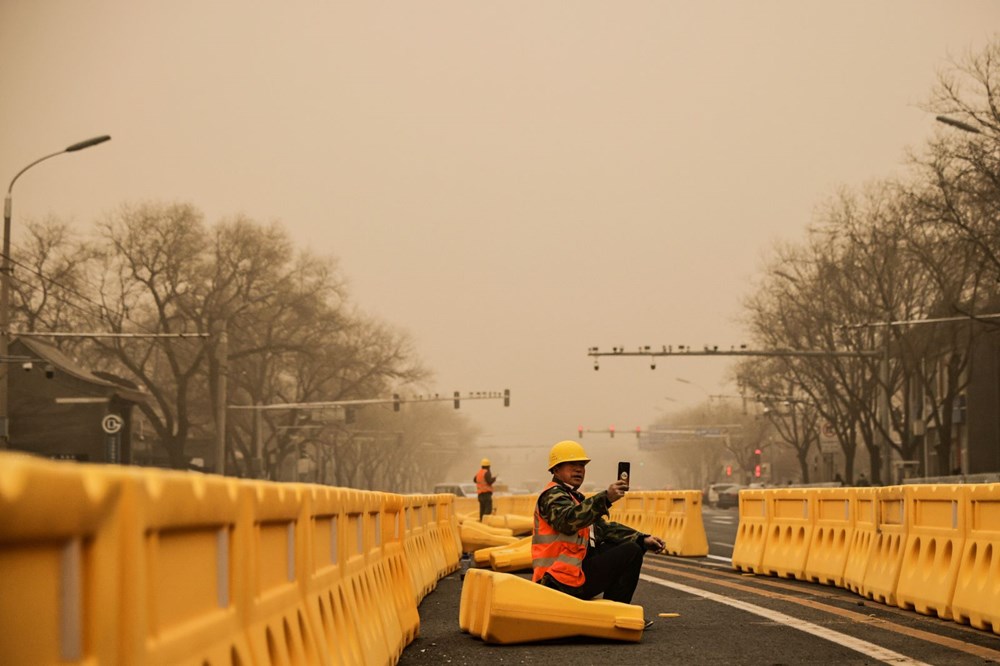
x: 654, y: 544
x: 616, y: 491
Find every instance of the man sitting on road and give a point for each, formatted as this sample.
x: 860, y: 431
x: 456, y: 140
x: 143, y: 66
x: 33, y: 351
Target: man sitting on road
x: 573, y: 548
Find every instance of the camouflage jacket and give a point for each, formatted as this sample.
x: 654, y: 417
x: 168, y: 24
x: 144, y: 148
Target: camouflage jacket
x: 556, y: 506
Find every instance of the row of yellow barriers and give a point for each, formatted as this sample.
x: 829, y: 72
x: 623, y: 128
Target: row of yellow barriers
x: 672, y: 515
x: 118, y: 565
x: 934, y: 549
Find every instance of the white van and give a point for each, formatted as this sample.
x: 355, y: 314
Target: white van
x: 457, y: 489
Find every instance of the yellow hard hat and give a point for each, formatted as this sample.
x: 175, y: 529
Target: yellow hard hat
x: 485, y: 462
x: 567, y: 451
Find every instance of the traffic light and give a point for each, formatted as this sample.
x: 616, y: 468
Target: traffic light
x: 395, y: 402
x: 506, y: 397
x: 756, y: 463
x: 579, y: 432
x: 456, y: 399
x: 729, y: 470
x: 637, y: 430
x: 612, y: 429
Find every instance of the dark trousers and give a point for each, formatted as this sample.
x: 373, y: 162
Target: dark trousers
x: 485, y: 504
x: 612, y: 570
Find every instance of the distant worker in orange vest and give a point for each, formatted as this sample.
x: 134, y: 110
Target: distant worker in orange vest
x: 573, y: 548
x: 484, y: 488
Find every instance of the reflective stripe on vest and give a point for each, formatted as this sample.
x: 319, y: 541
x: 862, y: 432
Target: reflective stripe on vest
x: 560, y: 555
x: 481, y: 485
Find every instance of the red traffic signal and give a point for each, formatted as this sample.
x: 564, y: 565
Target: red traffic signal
x: 579, y: 432
x: 637, y: 431
x: 729, y: 470
x: 612, y: 430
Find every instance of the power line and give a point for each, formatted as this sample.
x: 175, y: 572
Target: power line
x: 101, y: 307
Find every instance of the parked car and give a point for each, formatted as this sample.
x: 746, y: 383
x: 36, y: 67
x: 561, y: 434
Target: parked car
x: 729, y: 497
x: 712, y: 497
x: 457, y: 489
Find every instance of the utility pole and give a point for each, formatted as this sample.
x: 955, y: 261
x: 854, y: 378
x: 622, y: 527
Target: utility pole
x: 885, y: 456
x: 221, y: 387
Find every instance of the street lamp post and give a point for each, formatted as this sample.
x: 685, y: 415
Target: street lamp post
x: 5, y: 272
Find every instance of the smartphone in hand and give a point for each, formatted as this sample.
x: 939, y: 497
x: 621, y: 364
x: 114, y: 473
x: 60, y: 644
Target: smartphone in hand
x: 624, y: 470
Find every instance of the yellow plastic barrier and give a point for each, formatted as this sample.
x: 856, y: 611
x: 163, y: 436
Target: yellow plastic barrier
x: 516, y: 557
x: 275, y: 613
x: 751, y: 534
x: 330, y: 602
x: 377, y: 641
x: 109, y: 564
x: 832, y: 536
x: 518, y: 525
x: 674, y: 516
x: 886, y: 556
x: 904, y: 547
x: 473, y: 602
x: 467, y: 505
x: 435, y: 540
x: 186, y: 600
x: 417, y: 546
x: 516, y: 505
x: 679, y: 523
x: 379, y: 576
x: 451, y: 541
x: 481, y: 557
x: 60, y: 583
x: 977, y: 595
x: 865, y: 531
x: 631, y: 511
x: 935, y: 539
x: 477, y: 535
x: 396, y: 576
x: 790, y: 531
x: 515, y: 610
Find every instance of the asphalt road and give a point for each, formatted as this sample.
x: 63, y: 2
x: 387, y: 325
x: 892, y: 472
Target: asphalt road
x: 724, y: 617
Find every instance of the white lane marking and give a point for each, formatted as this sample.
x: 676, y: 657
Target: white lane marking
x: 878, y: 652
x: 720, y: 558
x: 724, y: 545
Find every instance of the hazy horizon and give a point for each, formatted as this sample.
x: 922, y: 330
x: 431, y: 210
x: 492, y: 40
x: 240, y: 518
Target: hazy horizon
x: 510, y: 183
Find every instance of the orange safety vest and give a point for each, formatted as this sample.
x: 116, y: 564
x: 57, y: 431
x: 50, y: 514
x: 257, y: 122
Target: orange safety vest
x: 481, y: 485
x: 560, y: 555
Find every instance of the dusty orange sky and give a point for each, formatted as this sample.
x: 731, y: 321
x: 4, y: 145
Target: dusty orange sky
x: 509, y: 182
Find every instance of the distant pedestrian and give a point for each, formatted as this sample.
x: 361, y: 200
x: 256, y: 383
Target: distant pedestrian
x: 863, y: 480
x: 484, y: 487
x: 838, y: 479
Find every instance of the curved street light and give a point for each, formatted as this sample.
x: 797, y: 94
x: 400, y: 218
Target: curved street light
x: 5, y: 271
